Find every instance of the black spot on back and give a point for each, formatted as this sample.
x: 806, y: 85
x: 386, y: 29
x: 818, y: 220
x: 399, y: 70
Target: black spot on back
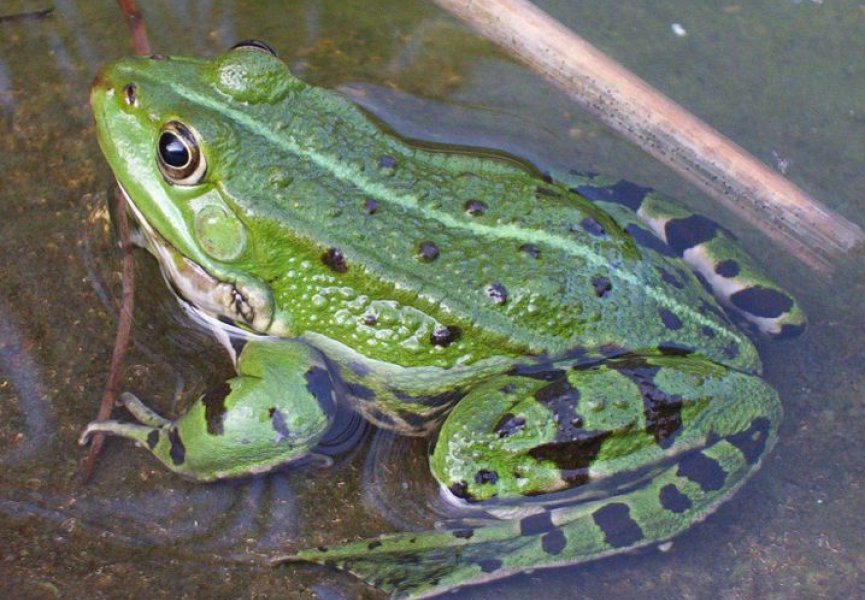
x: 177, y: 451
x: 427, y: 251
x: 702, y: 470
x: 670, y: 320
x: 535, y: 524
x: 752, y: 442
x: 370, y: 206
x: 553, y: 542
x: 444, y: 336
x: 688, y: 232
x: 602, y: 286
x: 614, y: 520
x: 762, y: 302
x: 531, y: 250
x: 214, y: 407
x: 497, y: 293
x: 592, y: 227
x: 475, y: 208
x: 387, y: 162
x: 674, y: 500
x: 334, y: 259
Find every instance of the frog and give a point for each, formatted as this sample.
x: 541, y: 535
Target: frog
x: 576, y: 348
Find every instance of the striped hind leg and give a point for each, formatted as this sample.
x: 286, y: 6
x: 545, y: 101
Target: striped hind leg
x: 734, y: 277
x: 727, y: 422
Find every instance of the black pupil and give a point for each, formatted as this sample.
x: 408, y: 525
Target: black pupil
x: 172, y: 150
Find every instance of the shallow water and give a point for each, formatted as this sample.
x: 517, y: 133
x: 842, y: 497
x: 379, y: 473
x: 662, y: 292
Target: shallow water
x: 782, y: 78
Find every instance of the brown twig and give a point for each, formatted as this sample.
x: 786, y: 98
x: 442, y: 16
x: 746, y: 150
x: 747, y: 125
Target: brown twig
x: 137, y: 31
x: 630, y: 106
x: 121, y: 340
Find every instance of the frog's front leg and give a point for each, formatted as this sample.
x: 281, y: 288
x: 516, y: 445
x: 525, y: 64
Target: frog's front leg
x: 275, y: 411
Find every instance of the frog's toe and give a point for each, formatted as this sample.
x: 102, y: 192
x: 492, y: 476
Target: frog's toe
x: 132, y: 431
x: 142, y: 412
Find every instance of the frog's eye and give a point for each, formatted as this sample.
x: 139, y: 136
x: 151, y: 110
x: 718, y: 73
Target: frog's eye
x: 256, y: 45
x: 178, y: 155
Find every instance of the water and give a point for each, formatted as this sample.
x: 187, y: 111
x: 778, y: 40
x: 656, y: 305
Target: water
x: 782, y: 78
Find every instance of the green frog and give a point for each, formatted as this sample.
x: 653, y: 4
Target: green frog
x: 573, y: 344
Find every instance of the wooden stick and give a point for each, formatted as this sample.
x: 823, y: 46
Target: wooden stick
x: 631, y: 107
x: 137, y: 31
x: 121, y: 339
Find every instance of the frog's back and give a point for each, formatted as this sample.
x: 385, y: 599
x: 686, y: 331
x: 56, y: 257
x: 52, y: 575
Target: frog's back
x: 421, y: 257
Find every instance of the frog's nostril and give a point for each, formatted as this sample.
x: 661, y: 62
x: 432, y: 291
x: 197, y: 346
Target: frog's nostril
x: 130, y: 94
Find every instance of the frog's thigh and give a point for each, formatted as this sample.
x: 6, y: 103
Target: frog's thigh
x: 515, y: 436
x: 274, y: 411
x: 733, y: 275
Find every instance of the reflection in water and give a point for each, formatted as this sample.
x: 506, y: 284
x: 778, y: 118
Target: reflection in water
x: 7, y: 99
x: 24, y: 374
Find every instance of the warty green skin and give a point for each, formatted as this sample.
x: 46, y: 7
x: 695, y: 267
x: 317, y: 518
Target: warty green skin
x: 407, y: 279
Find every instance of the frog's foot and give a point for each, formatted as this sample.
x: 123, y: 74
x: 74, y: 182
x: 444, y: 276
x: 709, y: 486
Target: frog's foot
x: 732, y: 275
x: 665, y: 440
x: 274, y: 412
x: 150, y: 421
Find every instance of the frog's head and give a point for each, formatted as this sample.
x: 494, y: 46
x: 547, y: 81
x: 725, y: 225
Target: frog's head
x: 163, y: 127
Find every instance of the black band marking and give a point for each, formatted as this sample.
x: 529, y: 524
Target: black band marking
x: 490, y: 565
x: 320, y: 384
x: 762, y: 302
x: 152, y: 438
x: 752, y: 442
x: 214, y: 407
x: 674, y: 500
x: 615, y: 521
x: 177, y: 451
x: 535, y: 524
x: 554, y: 542
x: 702, y: 470
x: 688, y: 232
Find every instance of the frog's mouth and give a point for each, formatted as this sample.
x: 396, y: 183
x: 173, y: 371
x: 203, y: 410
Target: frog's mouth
x: 227, y: 301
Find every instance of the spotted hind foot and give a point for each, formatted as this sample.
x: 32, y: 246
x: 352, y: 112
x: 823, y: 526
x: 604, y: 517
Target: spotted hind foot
x: 733, y: 276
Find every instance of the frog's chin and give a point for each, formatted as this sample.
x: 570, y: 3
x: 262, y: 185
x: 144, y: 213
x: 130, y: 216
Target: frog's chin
x: 225, y: 301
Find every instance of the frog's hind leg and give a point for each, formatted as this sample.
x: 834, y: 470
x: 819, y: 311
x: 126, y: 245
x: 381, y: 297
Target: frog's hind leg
x: 712, y: 252
x: 665, y: 440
